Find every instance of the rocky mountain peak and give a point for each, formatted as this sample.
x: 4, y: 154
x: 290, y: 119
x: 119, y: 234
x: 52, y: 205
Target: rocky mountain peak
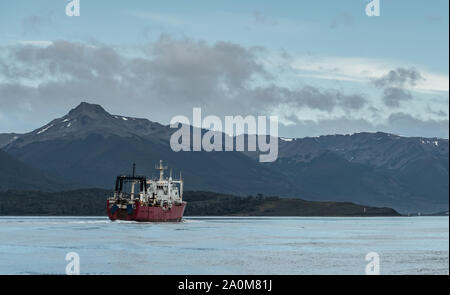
x: 90, y: 119
x: 89, y: 109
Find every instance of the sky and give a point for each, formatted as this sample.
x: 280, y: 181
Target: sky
x: 323, y: 67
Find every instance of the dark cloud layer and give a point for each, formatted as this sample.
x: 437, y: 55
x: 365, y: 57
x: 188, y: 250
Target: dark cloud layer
x: 173, y: 73
x: 169, y: 78
x: 307, y: 97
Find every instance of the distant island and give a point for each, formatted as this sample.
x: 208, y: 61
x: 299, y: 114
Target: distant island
x: 92, y: 202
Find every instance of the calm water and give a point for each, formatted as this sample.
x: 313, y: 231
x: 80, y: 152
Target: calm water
x: 222, y: 245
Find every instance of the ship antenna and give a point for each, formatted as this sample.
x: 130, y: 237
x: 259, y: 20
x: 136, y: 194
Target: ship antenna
x: 134, y: 169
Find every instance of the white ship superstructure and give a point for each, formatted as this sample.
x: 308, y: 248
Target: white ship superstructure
x: 164, y: 191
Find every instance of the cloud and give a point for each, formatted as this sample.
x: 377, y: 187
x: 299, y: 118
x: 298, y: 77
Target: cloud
x: 198, y: 70
x: 399, y: 77
x: 43, y: 43
x: 168, y: 78
x: 395, y: 84
x: 75, y: 60
x: 366, y: 70
x: 326, y: 100
x: 438, y: 113
x: 393, y: 96
x: 264, y: 100
x: 174, y: 74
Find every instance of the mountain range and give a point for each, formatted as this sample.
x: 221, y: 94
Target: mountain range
x: 16, y: 174
x: 88, y: 147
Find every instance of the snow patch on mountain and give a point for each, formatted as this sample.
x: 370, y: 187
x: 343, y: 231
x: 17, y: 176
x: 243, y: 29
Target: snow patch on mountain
x: 45, y: 129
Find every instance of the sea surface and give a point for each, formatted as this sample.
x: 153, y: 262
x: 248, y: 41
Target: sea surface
x: 225, y: 245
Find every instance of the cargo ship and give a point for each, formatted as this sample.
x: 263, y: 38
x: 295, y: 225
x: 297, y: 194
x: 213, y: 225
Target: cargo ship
x: 155, y: 200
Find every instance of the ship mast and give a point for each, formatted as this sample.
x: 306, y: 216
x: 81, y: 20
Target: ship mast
x: 133, y: 182
x: 181, y: 187
x: 161, y: 170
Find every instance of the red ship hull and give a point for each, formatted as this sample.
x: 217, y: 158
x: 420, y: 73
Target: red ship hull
x: 146, y: 213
